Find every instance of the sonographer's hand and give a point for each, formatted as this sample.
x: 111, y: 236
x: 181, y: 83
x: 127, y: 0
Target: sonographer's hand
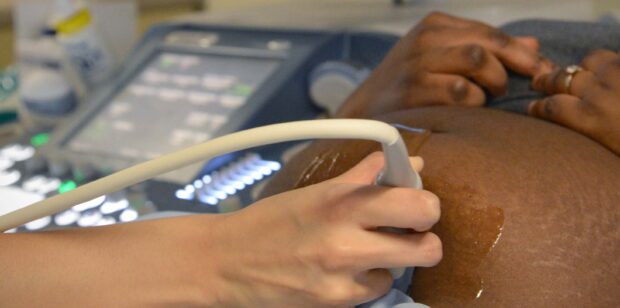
x: 589, y: 102
x: 313, y: 247
x: 445, y: 60
x: 319, y: 246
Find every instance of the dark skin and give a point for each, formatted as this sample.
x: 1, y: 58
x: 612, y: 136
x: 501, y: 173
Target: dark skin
x: 529, y: 208
x: 590, y: 105
x: 445, y: 60
x: 550, y: 192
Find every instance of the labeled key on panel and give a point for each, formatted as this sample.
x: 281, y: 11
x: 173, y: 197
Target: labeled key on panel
x: 155, y: 77
x: 170, y: 94
x: 217, y: 82
x: 140, y: 90
x: 197, y: 119
x: 185, y: 80
x: 216, y: 121
x: 201, y: 98
x: 232, y: 101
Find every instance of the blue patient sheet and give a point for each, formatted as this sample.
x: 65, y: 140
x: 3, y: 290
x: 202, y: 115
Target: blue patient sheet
x: 397, y: 296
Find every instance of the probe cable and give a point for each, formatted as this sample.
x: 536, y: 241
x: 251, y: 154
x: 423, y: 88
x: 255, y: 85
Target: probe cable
x: 397, y: 170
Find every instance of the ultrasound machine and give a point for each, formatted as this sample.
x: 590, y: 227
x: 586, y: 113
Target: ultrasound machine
x: 184, y: 84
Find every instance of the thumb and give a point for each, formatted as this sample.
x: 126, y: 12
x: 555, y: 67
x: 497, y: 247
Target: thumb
x: 367, y: 170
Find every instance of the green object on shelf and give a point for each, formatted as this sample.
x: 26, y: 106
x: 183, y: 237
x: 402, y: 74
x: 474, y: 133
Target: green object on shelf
x: 39, y: 140
x: 67, y: 186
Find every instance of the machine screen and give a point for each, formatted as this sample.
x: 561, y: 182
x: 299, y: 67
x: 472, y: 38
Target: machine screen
x: 178, y: 100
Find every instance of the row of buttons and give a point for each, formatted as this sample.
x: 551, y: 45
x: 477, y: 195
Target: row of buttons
x: 17, y: 152
x: 9, y: 155
x: 230, y: 101
x: 41, y: 184
x: 210, y: 82
x: 219, y: 185
x: 199, y: 120
x: 182, y: 61
x: 86, y: 219
x: 96, y: 212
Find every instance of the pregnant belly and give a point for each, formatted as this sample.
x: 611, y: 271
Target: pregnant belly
x: 530, y: 210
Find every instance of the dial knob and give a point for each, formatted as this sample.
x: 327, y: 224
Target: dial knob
x: 332, y: 82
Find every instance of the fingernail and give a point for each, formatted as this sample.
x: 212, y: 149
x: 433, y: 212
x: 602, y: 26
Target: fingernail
x: 458, y: 90
x: 417, y: 163
x: 535, y: 84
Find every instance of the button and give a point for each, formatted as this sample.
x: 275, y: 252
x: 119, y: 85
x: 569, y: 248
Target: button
x: 207, y: 198
x: 5, y: 163
x: 8, y: 178
x: 171, y: 95
x: 51, y: 186
x: 38, y: 224
x: 217, y: 82
x: 128, y: 215
x: 232, y: 101
x: 89, y: 219
x: 153, y: 76
x: 14, y: 198
x: 276, y: 45
x: 185, y: 80
x: 40, y: 139
x: 110, y: 206
x: 210, y: 190
x: 66, y: 186
x: 89, y: 204
x: 105, y: 221
x: 34, y: 183
x: 201, y: 98
x: 197, y: 119
x: 184, y: 195
x: 66, y: 218
x: 216, y: 121
x: 18, y: 152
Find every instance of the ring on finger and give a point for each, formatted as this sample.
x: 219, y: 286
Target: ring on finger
x: 570, y: 72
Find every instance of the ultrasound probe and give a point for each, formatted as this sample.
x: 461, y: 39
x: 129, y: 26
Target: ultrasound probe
x: 397, y: 170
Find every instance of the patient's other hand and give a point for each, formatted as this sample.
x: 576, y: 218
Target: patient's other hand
x: 591, y: 102
x: 445, y: 60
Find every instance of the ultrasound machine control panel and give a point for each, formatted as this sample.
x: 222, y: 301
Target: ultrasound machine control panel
x: 184, y: 84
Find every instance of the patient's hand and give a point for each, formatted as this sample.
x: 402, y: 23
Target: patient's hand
x: 591, y: 103
x: 445, y: 60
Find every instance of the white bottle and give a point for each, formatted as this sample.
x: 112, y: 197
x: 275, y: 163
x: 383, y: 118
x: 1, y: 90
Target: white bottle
x: 76, y: 33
